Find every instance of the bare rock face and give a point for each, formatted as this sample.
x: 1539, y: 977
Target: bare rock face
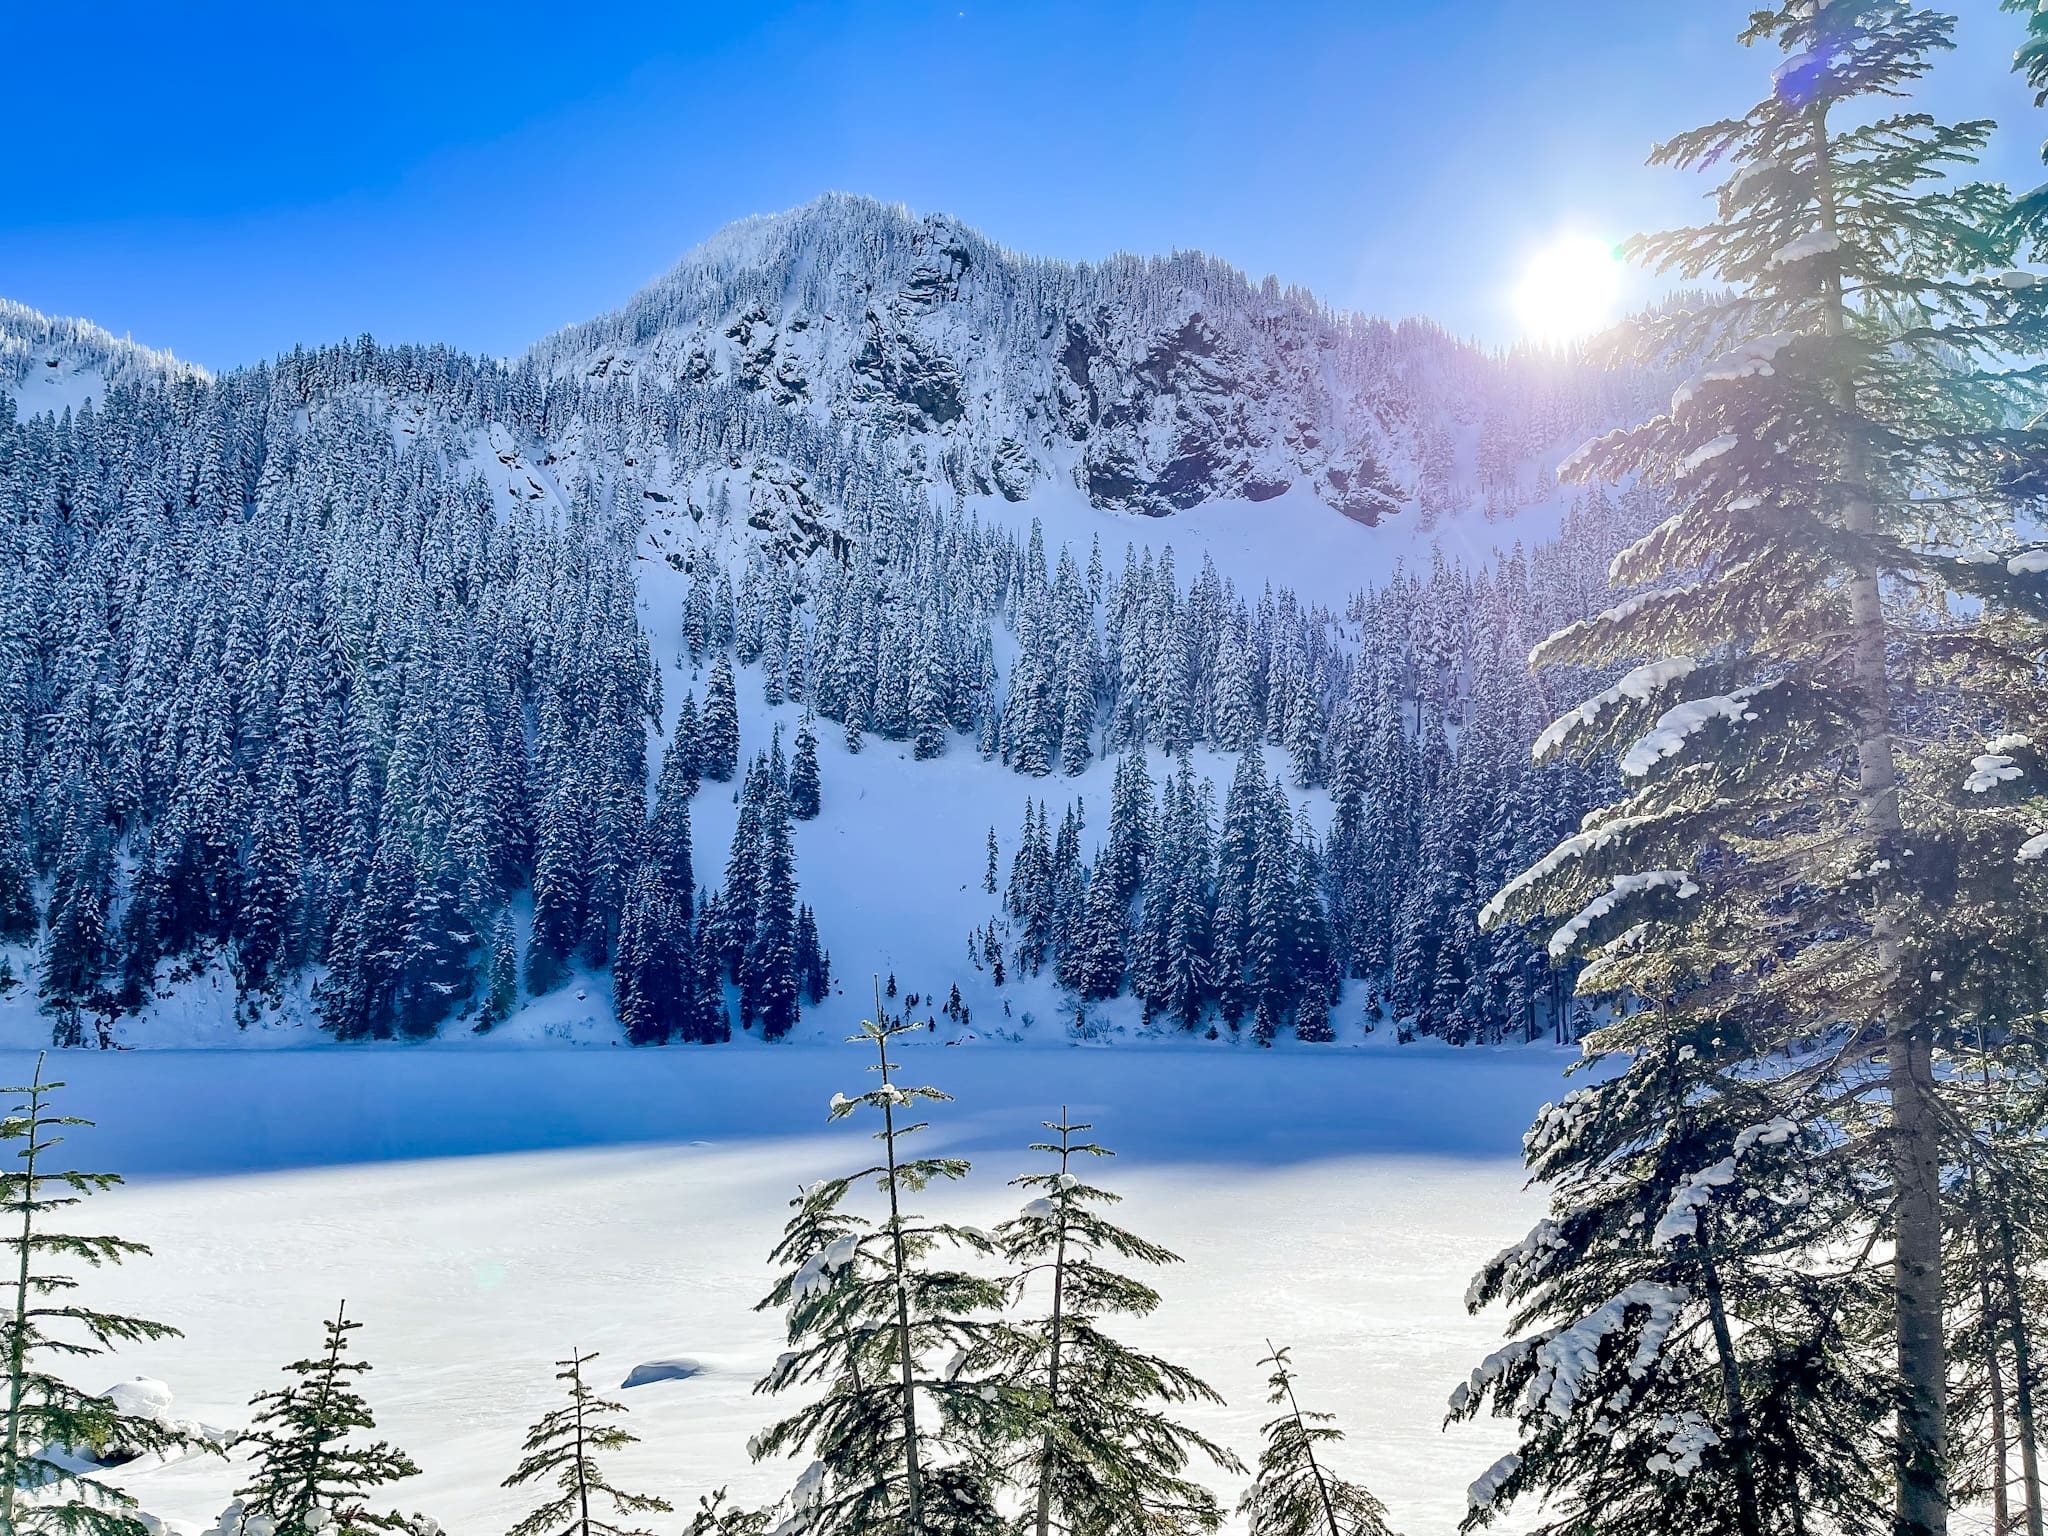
x: 1153, y: 386
x: 784, y: 509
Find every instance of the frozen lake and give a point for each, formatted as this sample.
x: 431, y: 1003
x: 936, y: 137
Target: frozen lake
x: 485, y: 1210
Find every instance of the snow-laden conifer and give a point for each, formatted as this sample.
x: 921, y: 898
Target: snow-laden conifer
x: 1825, y: 735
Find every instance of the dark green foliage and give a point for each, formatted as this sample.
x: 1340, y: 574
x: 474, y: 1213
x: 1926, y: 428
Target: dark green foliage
x: 902, y: 1431
x: 1294, y: 1494
x: 564, y: 1446
x: 1818, y: 876
x: 1097, y: 1454
x: 299, y: 1441
x: 1688, y: 1362
x: 40, y: 1495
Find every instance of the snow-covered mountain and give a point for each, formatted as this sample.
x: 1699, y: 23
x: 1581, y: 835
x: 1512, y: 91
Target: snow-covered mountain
x: 1153, y: 385
x: 336, y: 689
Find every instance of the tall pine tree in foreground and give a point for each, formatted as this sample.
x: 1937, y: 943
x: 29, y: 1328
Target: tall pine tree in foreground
x: 1816, y: 872
x: 1099, y: 1457
x: 308, y: 1477
x: 564, y: 1446
x: 40, y: 1491
x: 1294, y: 1494
x: 903, y: 1431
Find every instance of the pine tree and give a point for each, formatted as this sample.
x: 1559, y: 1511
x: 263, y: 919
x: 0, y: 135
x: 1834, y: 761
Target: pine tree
x: 307, y: 1479
x: 988, y: 877
x: 1800, y: 856
x: 565, y: 1443
x: 41, y: 1491
x: 898, y: 1444
x: 501, y: 980
x: 1100, y: 1457
x: 1294, y: 1494
x: 718, y: 737
x: 804, y: 789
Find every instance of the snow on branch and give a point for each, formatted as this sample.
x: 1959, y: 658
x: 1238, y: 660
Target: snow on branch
x: 1577, y: 846
x: 1635, y: 687
x: 1753, y: 359
x: 1990, y: 771
x: 1621, y: 889
x: 1677, y: 725
x: 1805, y: 248
x: 1706, y: 453
x: 1567, y: 1362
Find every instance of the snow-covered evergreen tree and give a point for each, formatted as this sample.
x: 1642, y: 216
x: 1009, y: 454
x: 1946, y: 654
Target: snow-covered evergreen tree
x: 1826, y: 832
x: 718, y: 736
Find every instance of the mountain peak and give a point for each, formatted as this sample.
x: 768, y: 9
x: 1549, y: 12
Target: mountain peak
x: 1153, y: 384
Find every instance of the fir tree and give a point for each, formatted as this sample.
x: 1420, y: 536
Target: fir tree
x: 897, y: 1442
x: 41, y: 1491
x: 501, y: 981
x: 718, y: 738
x: 1294, y: 1494
x: 1800, y: 850
x: 1100, y: 1457
x: 306, y: 1475
x: 804, y: 792
x: 1689, y: 1365
x: 564, y: 1444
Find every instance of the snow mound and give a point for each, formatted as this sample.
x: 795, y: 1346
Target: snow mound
x: 650, y: 1371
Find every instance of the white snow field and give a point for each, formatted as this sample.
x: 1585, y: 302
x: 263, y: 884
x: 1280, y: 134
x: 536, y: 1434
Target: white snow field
x: 483, y: 1212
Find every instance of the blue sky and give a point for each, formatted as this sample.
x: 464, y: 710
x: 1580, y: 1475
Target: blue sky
x: 226, y: 180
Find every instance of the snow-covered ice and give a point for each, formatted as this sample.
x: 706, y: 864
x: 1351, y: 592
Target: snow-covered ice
x: 484, y: 1212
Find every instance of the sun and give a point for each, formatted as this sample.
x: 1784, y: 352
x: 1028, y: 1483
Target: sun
x: 1569, y: 289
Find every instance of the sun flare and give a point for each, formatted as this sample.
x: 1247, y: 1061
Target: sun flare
x: 1569, y: 289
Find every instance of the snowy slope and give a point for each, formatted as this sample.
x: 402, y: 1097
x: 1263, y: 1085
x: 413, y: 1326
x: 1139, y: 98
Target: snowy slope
x: 1167, y: 405
x: 483, y: 1215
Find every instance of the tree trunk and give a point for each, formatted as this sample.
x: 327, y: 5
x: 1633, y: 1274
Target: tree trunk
x: 913, y: 1487
x: 17, y: 1351
x: 1748, y: 1519
x: 582, y: 1461
x: 2023, y: 1372
x: 1921, y: 1448
x: 2001, y: 1507
x: 1308, y: 1450
x: 1059, y: 1281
